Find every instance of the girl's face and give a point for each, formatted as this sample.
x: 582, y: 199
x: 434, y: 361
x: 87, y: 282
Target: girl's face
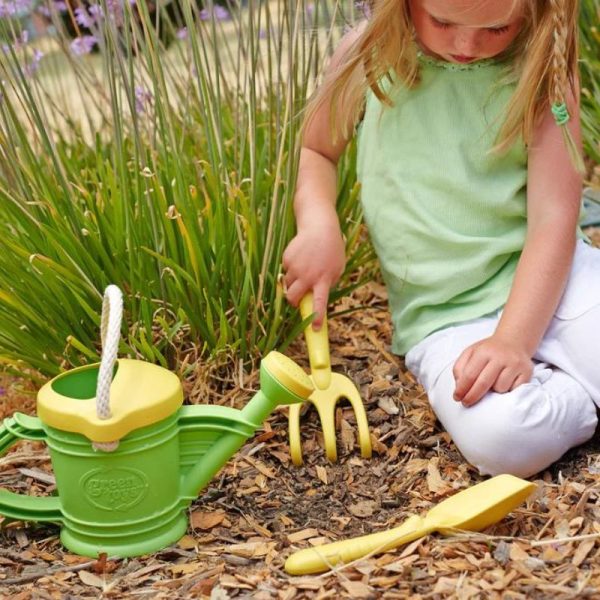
x: 463, y: 31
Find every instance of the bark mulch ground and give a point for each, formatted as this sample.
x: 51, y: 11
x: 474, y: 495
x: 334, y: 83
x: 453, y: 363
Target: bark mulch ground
x: 261, y: 507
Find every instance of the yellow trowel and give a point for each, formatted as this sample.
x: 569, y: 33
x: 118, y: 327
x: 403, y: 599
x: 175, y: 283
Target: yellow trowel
x: 472, y: 509
x: 330, y: 388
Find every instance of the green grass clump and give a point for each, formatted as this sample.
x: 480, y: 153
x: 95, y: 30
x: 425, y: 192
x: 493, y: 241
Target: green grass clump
x: 174, y: 181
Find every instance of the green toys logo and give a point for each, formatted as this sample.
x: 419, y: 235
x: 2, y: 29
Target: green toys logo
x: 115, y: 489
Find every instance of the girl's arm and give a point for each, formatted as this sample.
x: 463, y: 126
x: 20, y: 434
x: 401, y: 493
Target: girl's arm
x: 503, y: 361
x: 315, y: 257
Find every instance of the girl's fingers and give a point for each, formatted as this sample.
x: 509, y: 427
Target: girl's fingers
x: 520, y: 380
x: 460, y: 363
x: 466, y: 370
x: 506, y: 380
x: 478, y: 382
x: 295, y: 292
x: 285, y: 258
x: 320, y: 298
x: 288, y: 279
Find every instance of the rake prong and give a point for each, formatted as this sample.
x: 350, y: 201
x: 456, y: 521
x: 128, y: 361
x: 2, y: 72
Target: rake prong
x: 351, y: 393
x: 294, y: 433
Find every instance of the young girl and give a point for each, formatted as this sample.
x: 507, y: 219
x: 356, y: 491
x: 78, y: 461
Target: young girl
x: 468, y: 155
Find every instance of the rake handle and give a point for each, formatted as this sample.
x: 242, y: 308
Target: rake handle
x: 317, y: 343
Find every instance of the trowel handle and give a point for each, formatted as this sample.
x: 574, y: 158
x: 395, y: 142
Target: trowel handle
x: 17, y: 506
x: 322, y: 558
x: 317, y: 343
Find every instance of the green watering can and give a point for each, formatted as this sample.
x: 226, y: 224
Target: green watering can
x: 127, y: 456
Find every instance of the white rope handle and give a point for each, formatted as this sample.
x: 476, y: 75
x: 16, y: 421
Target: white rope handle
x: 110, y: 331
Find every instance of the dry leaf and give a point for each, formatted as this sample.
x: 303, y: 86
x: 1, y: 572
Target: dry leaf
x: 357, y: 589
x: 91, y: 579
x: 533, y: 563
x: 444, y: 585
x: 552, y: 555
x: 346, y: 435
x: 185, y: 568
x: 318, y: 541
x: 250, y: 549
x: 206, y: 520
x: 435, y: 483
x: 187, y: 542
x: 381, y: 385
x: 582, y: 551
x: 218, y: 593
x: 298, y: 536
x: 416, y: 465
x: 364, y: 508
x: 562, y: 529
x: 517, y: 552
x: 322, y: 474
x: 259, y: 466
x: 388, y: 405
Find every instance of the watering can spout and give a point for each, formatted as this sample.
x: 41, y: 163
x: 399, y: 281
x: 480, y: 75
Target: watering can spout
x: 282, y: 382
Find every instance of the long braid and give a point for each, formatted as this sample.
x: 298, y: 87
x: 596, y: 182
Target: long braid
x: 560, y: 79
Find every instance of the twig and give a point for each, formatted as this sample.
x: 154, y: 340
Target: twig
x: 574, y: 538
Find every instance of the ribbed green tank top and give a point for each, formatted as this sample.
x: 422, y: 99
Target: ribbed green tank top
x: 446, y: 217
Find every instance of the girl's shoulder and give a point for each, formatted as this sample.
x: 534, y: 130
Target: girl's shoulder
x: 347, y: 41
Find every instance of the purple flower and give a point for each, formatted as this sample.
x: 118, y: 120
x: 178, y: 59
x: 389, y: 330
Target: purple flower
x: 84, y: 18
x: 143, y: 99
x: 310, y: 9
x: 31, y: 68
x: 15, y: 8
x: 83, y: 45
x: 20, y: 41
x: 218, y: 12
x: 115, y: 11
x: 47, y: 9
x: 95, y: 11
x: 182, y: 34
x: 365, y: 7
x: 221, y: 13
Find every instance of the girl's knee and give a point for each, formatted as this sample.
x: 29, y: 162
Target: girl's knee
x: 523, y: 435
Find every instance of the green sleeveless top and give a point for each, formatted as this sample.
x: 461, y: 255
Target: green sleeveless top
x: 446, y: 217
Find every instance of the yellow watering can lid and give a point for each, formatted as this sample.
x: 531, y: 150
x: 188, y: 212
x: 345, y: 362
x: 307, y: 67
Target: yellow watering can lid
x: 141, y: 394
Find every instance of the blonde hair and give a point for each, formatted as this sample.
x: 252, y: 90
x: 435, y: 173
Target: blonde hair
x: 544, y: 67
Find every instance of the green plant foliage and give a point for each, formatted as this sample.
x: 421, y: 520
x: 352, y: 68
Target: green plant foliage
x: 174, y: 181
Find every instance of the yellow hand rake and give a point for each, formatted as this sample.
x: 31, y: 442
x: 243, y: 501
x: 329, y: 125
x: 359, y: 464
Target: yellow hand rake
x: 329, y: 389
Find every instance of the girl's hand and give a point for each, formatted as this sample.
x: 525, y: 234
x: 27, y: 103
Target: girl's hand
x: 490, y: 364
x: 314, y: 260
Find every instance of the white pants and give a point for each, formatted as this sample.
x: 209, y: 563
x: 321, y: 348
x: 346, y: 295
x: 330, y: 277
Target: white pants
x: 523, y: 431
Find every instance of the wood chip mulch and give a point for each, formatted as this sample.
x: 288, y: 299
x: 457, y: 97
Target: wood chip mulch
x: 260, y: 507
